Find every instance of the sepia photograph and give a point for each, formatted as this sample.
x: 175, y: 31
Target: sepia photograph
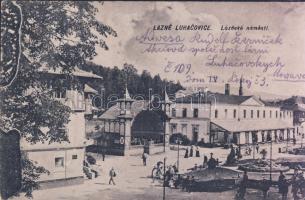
x: 152, y: 100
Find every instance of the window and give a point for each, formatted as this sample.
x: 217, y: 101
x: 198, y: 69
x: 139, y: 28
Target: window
x: 195, y: 130
x: 257, y: 113
x: 245, y: 113
x: 173, y: 112
x: 234, y: 113
x: 173, y: 128
x: 275, y: 114
x: 195, y: 113
x: 251, y: 113
x: 184, y: 129
x: 216, y: 113
x: 59, y: 162
x: 280, y: 114
x: 270, y: 113
x: 74, y: 157
x: 184, y: 111
x: 226, y: 113
x: 60, y: 93
x: 264, y: 114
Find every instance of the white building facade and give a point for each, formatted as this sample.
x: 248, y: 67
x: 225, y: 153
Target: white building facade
x: 190, y: 116
x: 64, y: 160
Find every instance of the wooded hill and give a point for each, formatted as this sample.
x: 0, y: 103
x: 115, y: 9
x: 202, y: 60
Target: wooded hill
x: 115, y: 80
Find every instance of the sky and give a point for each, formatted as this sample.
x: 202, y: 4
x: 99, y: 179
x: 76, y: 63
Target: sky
x: 285, y: 22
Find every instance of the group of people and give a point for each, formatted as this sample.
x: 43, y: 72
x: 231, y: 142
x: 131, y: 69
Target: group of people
x: 190, y: 153
x: 297, y: 183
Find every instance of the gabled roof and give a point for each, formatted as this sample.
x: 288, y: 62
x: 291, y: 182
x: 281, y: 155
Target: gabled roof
x: 114, y: 112
x: 77, y: 72
x: 89, y: 89
x: 45, y: 68
x: 213, y: 98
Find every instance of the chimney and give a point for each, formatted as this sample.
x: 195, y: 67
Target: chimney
x: 227, y: 89
x: 240, y: 86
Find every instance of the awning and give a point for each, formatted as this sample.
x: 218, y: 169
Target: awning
x: 248, y: 125
x: 94, y: 135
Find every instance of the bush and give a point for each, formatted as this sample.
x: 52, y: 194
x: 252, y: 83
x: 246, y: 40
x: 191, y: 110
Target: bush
x: 183, y: 138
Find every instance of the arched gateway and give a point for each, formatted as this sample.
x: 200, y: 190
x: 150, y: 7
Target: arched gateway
x: 148, y: 127
x: 130, y: 126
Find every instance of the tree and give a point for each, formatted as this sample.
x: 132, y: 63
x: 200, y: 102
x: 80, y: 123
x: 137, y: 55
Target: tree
x: 55, y: 34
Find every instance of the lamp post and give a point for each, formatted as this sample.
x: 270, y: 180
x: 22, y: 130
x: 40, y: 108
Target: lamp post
x: 164, y: 176
x: 270, y: 159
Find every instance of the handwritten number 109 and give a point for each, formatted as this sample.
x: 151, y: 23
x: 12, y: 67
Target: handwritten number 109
x: 180, y: 68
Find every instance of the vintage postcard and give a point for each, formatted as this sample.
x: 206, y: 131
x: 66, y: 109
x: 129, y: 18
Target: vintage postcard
x: 152, y: 100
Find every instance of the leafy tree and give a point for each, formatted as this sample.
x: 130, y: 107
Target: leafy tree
x: 55, y: 34
x: 115, y: 81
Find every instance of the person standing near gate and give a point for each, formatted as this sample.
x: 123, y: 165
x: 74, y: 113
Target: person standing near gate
x: 112, y: 174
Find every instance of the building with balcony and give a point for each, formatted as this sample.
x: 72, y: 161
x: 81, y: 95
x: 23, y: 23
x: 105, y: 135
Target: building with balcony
x: 64, y: 160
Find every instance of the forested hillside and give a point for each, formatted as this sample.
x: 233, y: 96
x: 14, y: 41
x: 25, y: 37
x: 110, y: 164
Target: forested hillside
x: 115, y: 80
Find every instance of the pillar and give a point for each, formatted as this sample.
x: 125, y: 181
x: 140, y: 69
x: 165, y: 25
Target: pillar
x: 259, y: 136
x: 250, y: 137
x: 242, y: 137
x: 167, y: 133
x: 127, y: 136
x: 285, y: 134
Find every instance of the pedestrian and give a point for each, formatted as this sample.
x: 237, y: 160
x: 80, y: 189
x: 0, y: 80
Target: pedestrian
x: 280, y: 181
x: 257, y: 148
x: 185, y: 183
x: 191, y: 151
x: 294, y: 184
x: 188, y: 183
x: 197, y: 152
x: 302, y: 184
x: 265, y: 187
x: 103, y: 155
x: 144, y: 158
x: 186, y: 155
x: 112, y: 174
x: 212, y: 163
x: 191, y: 184
x: 243, y: 185
x: 284, y: 188
x: 205, y: 160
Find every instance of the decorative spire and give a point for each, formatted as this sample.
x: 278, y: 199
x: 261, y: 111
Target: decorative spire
x: 126, y: 95
x: 166, y: 98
